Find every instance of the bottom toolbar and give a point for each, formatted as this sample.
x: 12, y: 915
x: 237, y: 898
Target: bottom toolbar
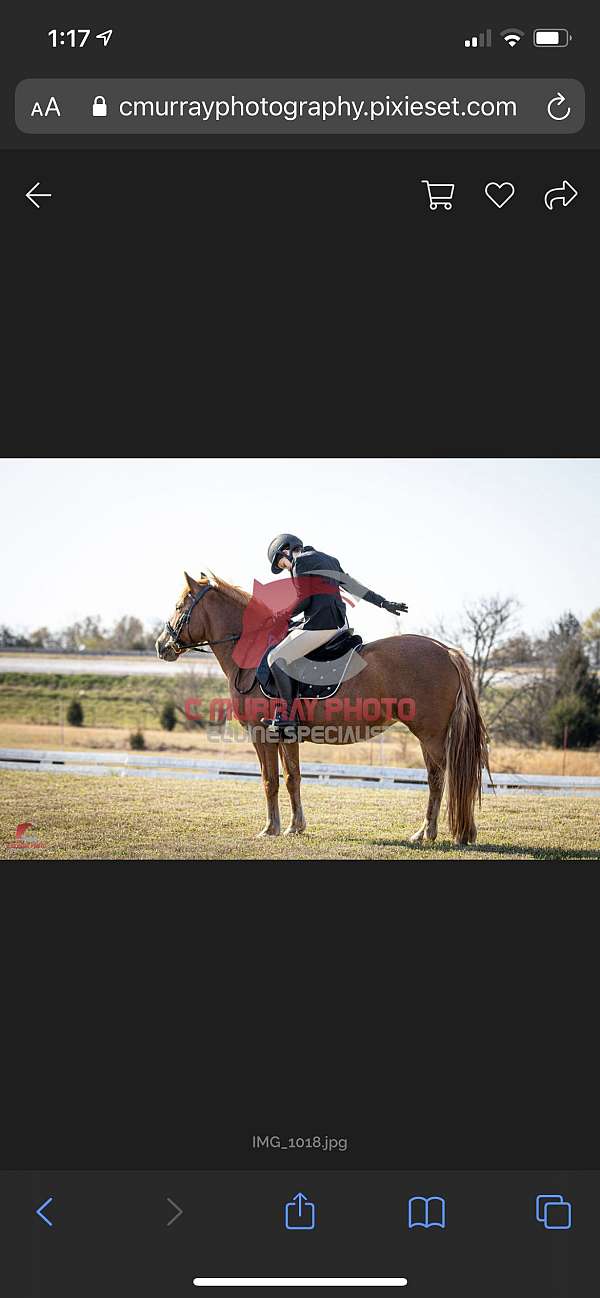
x: 166, y: 1232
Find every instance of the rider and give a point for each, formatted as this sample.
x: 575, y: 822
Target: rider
x: 324, y: 612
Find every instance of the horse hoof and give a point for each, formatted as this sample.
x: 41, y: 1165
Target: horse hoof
x: 294, y: 829
x: 416, y: 838
x: 269, y: 831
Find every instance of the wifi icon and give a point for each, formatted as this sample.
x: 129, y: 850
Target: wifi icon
x: 512, y: 35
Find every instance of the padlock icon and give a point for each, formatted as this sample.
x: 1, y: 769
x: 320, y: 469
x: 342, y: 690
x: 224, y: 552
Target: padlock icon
x: 99, y: 108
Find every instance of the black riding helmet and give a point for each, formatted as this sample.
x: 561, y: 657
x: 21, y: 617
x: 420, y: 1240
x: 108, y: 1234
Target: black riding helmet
x: 285, y: 541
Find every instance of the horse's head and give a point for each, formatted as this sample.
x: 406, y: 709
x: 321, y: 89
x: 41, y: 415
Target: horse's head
x: 187, y: 625
x: 208, y: 612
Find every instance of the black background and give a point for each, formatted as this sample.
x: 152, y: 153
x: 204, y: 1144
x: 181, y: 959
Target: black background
x: 160, y: 1018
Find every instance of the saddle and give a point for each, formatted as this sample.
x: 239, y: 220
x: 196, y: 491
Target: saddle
x: 310, y: 679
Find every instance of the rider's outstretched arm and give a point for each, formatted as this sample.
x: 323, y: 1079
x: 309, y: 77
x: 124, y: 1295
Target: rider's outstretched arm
x: 306, y: 564
x: 356, y: 588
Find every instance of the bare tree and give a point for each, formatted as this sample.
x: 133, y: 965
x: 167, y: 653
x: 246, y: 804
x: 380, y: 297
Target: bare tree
x: 486, y: 625
x: 128, y: 633
x: 486, y: 634
x: 190, y: 693
x: 517, y: 716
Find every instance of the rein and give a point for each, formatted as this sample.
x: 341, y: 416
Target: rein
x: 182, y: 622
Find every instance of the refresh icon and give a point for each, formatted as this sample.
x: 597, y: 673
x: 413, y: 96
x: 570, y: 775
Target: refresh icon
x: 554, y: 105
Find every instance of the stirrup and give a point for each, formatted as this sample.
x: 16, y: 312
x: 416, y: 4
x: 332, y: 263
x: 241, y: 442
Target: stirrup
x: 285, y: 729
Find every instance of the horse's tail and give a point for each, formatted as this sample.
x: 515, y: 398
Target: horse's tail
x: 466, y: 754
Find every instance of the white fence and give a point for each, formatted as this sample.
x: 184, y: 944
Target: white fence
x: 341, y: 775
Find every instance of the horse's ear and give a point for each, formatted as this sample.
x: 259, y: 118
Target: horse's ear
x: 193, y: 586
x: 211, y: 576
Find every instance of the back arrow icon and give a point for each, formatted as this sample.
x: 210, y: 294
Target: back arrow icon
x: 563, y: 195
x: 33, y: 195
x: 178, y: 1214
x: 39, y: 1212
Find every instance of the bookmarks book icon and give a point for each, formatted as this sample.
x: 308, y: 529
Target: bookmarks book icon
x: 426, y: 1212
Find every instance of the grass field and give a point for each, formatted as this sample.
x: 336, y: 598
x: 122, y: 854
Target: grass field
x: 127, y: 700
x: 107, y: 818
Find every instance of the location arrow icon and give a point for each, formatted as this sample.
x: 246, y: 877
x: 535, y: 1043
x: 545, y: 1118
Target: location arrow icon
x: 178, y: 1213
x: 39, y: 1212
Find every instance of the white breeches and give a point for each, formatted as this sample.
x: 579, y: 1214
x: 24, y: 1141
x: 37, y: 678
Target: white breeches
x: 299, y: 643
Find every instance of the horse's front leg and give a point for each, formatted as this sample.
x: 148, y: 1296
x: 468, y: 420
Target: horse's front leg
x: 269, y: 765
x: 290, y: 760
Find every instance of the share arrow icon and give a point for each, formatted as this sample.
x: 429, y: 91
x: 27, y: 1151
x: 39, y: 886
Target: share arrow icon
x: 561, y: 196
x: 300, y: 1213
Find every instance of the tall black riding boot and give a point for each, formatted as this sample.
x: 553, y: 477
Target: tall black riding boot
x: 286, y: 691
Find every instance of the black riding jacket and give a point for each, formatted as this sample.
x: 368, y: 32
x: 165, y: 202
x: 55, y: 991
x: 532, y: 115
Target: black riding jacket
x: 325, y: 611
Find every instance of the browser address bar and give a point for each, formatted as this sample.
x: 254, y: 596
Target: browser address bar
x: 300, y: 106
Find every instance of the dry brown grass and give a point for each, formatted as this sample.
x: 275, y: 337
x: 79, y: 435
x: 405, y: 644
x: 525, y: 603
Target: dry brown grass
x: 397, y: 748
x: 108, y: 818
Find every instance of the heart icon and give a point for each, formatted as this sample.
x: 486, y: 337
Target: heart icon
x: 499, y: 195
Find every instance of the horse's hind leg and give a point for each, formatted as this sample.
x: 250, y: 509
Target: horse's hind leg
x: 436, y: 772
x: 290, y: 760
x: 269, y: 766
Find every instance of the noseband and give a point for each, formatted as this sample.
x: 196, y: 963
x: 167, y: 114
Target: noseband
x: 174, y: 632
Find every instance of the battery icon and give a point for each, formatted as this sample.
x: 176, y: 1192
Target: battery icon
x: 551, y: 38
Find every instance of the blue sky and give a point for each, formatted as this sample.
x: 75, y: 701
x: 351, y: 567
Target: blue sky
x: 113, y: 536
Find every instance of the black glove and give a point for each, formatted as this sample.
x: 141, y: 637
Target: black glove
x: 392, y: 606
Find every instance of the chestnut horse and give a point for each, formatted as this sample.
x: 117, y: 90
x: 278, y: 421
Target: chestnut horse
x: 446, y: 721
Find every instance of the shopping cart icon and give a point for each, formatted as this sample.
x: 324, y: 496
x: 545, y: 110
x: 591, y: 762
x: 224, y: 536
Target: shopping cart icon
x: 439, y: 195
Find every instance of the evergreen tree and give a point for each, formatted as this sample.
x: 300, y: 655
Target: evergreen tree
x: 576, y: 700
x: 168, y: 719
x: 75, y: 713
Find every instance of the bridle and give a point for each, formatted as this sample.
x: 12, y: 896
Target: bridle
x: 174, y: 632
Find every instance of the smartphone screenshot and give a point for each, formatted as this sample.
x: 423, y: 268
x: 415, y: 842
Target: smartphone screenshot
x: 299, y: 956
x: 299, y: 673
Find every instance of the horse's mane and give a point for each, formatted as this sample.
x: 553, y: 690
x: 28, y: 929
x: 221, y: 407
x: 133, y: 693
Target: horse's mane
x: 235, y: 593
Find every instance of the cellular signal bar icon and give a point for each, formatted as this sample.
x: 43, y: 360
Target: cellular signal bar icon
x: 484, y: 38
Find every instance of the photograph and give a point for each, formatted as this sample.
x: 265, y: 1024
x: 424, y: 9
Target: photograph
x: 399, y: 659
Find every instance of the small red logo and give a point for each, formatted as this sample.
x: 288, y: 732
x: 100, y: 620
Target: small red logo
x: 25, y: 839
